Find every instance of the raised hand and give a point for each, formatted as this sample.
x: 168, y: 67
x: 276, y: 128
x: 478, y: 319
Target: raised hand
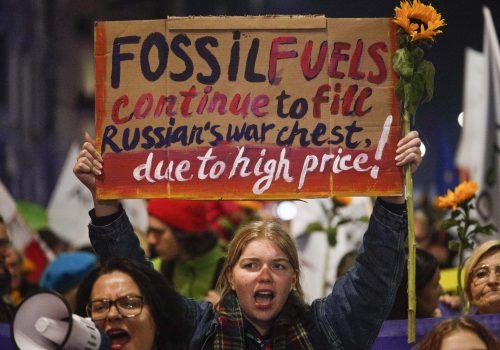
x: 88, y: 164
x: 408, y: 151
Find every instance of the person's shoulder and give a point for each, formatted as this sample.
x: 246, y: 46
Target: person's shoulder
x: 6, y: 311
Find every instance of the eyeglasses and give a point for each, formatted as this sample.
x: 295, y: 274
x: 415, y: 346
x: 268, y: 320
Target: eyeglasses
x: 127, y: 306
x: 482, y: 274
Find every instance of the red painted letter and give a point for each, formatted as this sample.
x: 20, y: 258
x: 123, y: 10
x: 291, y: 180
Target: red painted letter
x: 336, y: 57
x: 379, y: 61
x: 276, y: 54
x: 305, y: 61
x: 318, y: 99
x: 354, y: 72
x: 121, y: 101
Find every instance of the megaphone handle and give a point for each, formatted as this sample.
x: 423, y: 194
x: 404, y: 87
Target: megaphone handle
x: 51, y: 329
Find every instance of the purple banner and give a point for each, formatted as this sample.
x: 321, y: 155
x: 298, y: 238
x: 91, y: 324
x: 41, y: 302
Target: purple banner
x: 393, y: 334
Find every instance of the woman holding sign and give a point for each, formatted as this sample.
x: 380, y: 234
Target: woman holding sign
x: 261, y: 304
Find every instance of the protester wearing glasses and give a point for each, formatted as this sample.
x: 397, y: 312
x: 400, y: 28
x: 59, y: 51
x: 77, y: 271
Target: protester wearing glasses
x: 135, y: 306
x: 482, y: 278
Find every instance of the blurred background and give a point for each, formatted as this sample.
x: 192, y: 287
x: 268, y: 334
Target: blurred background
x: 47, y: 77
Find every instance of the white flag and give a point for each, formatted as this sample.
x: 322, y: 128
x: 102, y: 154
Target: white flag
x: 478, y: 151
x: 19, y: 232
x: 71, y: 201
x: 318, y: 260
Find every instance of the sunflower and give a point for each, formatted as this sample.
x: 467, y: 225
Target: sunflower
x: 465, y: 191
x: 418, y: 20
x: 447, y: 201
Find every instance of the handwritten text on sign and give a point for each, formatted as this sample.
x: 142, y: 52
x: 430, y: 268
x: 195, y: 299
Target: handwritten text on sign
x: 246, y: 107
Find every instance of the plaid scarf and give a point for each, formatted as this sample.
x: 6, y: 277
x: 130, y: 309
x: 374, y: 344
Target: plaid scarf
x: 288, y: 332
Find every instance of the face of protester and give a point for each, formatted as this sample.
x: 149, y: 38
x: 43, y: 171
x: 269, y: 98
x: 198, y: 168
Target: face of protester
x: 13, y: 264
x: 134, y: 333
x: 485, y: 283
x: 262, y: 279
x: 161, y: 237
x: 462, y: 340
x: 428, y: 296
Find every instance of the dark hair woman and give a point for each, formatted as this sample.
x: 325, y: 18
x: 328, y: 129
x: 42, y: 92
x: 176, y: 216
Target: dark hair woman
x: 134, y: 305
x: 427, y: 288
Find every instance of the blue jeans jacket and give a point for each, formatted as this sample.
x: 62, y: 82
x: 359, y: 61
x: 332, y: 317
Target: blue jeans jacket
x: 349, y: 318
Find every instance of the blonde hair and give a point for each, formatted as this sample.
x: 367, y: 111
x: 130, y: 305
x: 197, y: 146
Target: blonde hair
x: 473, y: 260
x: 259, y: 230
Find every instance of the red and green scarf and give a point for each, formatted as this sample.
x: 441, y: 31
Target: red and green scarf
x: 288, y: 331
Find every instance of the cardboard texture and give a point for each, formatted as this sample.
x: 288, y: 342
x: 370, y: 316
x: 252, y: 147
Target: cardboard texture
x: 268, y: 107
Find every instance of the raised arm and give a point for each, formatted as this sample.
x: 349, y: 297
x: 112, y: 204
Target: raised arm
x: 110, y: 230
x: 361, y: 300
x: 89, y: 165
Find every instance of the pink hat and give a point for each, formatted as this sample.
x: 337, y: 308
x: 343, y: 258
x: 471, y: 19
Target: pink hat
x: 184, y: 215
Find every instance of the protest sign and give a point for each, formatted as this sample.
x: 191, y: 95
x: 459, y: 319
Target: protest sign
x: 247, y: 107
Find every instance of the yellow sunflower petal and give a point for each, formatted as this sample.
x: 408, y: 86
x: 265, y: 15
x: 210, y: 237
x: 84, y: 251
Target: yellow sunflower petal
x: 427, y: 15
x: 465, y: 191
x: 447, y: 201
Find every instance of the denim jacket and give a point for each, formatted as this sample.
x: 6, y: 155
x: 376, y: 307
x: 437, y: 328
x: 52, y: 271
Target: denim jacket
x: 349, y: 318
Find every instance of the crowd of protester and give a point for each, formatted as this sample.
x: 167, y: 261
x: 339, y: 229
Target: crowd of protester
x: 222, y: 277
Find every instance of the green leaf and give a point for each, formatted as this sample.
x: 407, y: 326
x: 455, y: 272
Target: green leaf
x: 417, y: 55
x: 455, y: 213
x: 400, y: 93
x: 332, y: 236
x: 412, y: 95
x: 313, y: 227
x: 491, y: 227
x: 487, y: 230
x: 427, y: 71
x: 404, y: 38
x: 446, y: 224
x: 402, y: 62
x: 473, y: 222
x: 343, y: 221
x: 484, y: 231
x: 364, y: 218
x: 454, y: 246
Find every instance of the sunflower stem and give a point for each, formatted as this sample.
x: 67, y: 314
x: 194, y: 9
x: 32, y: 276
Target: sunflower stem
x: 460, y: 288
x: 412, y: 302
x: 464, y: 244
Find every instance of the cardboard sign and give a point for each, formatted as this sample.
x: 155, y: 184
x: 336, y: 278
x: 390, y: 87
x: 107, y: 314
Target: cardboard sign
x: 246, y: 107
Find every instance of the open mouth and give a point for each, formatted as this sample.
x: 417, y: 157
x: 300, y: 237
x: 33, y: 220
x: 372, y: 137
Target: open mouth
x: 118, y: 338
x: 264, y: 299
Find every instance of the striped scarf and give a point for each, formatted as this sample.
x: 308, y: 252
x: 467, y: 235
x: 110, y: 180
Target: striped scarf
x: 288, y: 332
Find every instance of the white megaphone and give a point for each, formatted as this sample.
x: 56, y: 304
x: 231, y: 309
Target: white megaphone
x: 44, y: 321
